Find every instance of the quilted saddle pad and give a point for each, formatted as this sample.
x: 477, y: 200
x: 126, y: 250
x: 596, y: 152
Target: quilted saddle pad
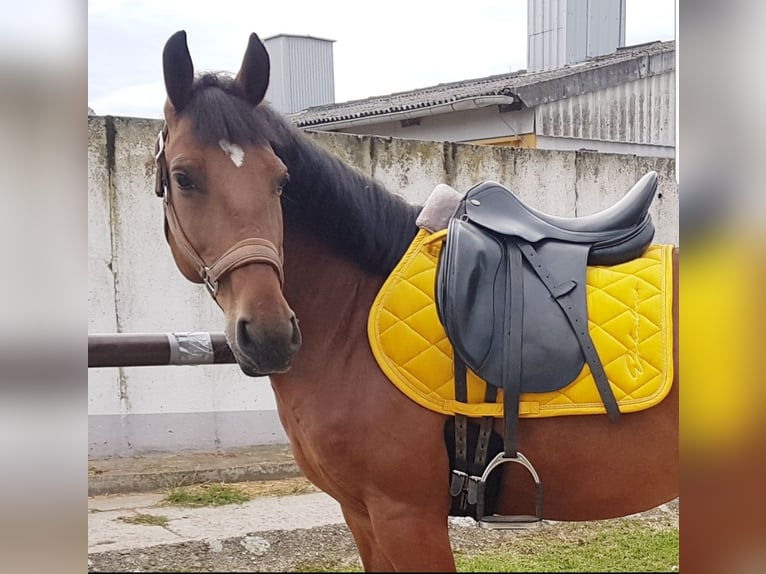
x: 630, y: 321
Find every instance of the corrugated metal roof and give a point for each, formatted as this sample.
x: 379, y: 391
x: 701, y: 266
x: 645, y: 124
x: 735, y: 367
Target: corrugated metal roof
x: 626, y: 64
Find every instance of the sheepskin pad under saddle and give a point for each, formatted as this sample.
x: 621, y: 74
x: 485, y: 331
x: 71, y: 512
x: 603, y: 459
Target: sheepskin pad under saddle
x: 629, y: 308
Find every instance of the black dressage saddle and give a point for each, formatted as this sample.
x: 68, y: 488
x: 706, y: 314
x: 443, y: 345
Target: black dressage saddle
x: 511, y: 292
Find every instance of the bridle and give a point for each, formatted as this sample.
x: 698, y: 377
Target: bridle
x: 245, y: 252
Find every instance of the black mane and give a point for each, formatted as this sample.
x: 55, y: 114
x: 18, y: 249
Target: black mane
x: 355, y: 214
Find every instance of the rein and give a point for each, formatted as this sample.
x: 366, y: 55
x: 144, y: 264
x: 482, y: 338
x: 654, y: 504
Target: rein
x: 245, y: 252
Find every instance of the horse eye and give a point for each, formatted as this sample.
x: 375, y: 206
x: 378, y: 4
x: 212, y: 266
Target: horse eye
x: 282, y: 184
x: 183, y: 181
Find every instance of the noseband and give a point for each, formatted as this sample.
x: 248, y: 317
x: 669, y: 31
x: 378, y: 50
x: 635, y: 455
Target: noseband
x: 245, y: 252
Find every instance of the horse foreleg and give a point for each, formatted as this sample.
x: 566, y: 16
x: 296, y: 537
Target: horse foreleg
x: 412, y: 542
x: 370, y: 552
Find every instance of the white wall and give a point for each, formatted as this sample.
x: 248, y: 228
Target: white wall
x: 468, y: 125
x: 133, y: 285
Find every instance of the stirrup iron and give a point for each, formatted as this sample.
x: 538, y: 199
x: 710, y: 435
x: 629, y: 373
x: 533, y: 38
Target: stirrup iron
x: 508, y: 522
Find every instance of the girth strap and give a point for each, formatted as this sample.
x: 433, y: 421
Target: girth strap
x: 482, y: 446
x: 464, y: 485
x: 564, y: 294
x: 458, y: 484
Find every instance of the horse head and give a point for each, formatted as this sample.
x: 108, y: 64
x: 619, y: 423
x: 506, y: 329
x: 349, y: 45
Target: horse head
x: 221, y: 182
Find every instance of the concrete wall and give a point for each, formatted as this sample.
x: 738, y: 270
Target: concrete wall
x: 133, y: 285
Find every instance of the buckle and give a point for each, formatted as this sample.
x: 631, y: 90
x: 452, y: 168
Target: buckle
x: 162, y: 180
x: 472, y: 496
x: 212, y: 286
x: 458, y: 482
x: 160, y: 145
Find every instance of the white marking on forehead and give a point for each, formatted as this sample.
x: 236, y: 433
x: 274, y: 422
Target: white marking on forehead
x: 235, y: 152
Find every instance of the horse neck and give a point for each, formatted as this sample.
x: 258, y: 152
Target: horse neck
x: 330, y: 294
x: 336, y: 256
x: 341, y: 206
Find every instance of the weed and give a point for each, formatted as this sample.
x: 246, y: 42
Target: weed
x: 205, y: 495
x: 147, y: 519
x: 327, y: 566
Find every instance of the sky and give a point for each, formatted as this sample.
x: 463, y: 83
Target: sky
x: 379, y: 48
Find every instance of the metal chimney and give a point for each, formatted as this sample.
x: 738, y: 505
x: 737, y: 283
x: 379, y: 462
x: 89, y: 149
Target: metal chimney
x: 301, y: 72
x: 561, y: 32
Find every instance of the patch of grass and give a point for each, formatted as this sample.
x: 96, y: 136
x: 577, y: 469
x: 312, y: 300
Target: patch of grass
x: 146, y: 519
x: 327, y: 566
x: 281, y: 487
x: 205, y: 495
x: 615, y: 547
x: 303, y: 488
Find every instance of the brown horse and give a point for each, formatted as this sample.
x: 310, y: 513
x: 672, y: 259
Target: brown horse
x: 281, y: 232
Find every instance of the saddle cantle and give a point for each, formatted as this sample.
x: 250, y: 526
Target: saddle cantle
x: 511, y: 295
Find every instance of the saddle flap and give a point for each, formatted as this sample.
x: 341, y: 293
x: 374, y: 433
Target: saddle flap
x: 472, y: 297
x: 465, y: 263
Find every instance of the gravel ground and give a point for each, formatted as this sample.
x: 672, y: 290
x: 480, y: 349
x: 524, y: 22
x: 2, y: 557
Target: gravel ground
x: 329, y: 548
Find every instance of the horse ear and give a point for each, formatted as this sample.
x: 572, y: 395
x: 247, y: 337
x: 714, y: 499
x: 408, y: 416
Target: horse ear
x: 178, y: 70
x: 253, y: 76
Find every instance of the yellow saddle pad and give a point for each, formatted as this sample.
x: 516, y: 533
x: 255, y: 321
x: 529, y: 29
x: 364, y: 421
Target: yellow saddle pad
x: 630, y: 322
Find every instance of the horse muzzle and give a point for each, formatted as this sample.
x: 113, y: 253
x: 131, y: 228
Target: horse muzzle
x: 264, y: 347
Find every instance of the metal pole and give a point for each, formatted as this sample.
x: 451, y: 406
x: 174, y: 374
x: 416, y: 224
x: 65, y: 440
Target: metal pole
x: 155, y: 349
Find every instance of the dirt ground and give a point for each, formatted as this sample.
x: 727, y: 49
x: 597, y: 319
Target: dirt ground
x: 328, y: 548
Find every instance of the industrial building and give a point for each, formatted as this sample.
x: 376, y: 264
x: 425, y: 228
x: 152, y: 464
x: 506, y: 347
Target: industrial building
x: 582, y: 89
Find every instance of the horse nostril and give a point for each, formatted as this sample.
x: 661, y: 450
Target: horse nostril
x: 266, y: 347
x: 288, y: 336
x: 296, y: 338
x: 243, y: 337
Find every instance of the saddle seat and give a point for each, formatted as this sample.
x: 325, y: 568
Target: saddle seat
x: 616, y: 234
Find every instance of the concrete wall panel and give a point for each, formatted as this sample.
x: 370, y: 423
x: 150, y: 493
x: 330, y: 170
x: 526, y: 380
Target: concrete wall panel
x: 134, y: 285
